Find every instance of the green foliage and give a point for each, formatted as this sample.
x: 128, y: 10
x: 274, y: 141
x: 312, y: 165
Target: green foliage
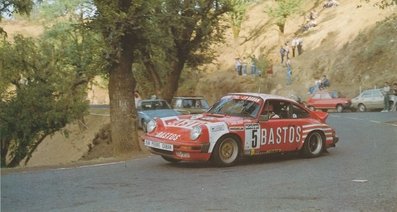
x: 283, y: 10
x: 43, y: 86
x: 237, y: 14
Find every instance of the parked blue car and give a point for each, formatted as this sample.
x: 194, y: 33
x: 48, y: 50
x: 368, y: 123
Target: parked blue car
x: 148, y: 109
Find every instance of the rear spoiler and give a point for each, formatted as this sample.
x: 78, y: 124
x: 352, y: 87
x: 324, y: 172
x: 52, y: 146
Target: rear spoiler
x: 322, y: 116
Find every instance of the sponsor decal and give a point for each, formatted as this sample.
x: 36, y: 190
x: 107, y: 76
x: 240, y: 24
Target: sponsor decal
x: 287, y: 134
x: 248, y: 98
x: 236, y: 128
x: 185, y: 123
x: 167, y: 136
x: 217, y: 128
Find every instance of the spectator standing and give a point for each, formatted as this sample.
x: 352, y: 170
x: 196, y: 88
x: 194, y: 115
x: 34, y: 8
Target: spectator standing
x: 294, y: 44
x: 289, y: 72
x: 394, y: 97
x: 286, y: 48
x: 238, y: 66
x: 282, y: 54
x: 386, y: 98
x: 330, y: 3
x: 253, y: 65
x: 313, y: 15
x: 137, y: 98
x: 299, y: 45
x: 244, y: 66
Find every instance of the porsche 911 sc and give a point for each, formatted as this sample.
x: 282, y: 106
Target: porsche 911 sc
x: 241, y: 125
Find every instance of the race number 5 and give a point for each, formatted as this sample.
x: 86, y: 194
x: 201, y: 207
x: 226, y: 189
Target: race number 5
x: 252, y: 136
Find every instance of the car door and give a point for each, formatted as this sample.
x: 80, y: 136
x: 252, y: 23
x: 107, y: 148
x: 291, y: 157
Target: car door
x: 283, y: 133
x: 377, y: 100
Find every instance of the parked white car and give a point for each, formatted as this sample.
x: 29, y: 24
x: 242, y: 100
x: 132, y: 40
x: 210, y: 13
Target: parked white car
x: 372, y: 99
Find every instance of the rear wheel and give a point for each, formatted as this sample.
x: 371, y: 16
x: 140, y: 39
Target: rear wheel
x: 170, y: 159
x: 339, y: 108
x: 226, y: 152
x: 314, y: 145
x: 361, y: 108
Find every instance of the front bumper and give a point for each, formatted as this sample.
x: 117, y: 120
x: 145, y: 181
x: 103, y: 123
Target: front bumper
x: 187, y: 151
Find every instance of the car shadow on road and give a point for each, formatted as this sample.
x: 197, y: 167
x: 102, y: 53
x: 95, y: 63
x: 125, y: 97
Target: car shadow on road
x: 246, y: 161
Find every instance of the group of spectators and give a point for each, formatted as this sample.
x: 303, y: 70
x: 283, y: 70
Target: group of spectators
x: 241, y: 66
x: 330, y: 3
x: 296, y: 46
x: 389, y: 93
x: 320, y: 84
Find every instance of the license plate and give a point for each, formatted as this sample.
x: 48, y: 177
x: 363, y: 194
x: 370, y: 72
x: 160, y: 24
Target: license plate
x: 159, y: 145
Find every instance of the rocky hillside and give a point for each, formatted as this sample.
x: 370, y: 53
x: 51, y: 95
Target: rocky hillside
x: 352, y: 44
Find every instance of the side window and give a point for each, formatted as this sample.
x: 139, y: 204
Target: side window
x: 298, y: 112
x: 367, y: 94
x: 277, y: 109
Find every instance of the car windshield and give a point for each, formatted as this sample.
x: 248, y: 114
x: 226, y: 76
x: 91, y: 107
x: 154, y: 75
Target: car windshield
x: 243, y: 106
x: 154, y: 105
x: 195, y: 103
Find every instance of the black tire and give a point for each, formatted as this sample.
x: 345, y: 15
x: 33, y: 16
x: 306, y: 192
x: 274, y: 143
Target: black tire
x: 339, y: 108
x: 226, y: 152
x: 361, y: 108
x: 170, y: 159
x: 314, y: 145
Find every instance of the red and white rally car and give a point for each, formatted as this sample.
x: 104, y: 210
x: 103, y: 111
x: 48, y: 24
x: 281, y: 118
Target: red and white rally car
x: 241, y: 124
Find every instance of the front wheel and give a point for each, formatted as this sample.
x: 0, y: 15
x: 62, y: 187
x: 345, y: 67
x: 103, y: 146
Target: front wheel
x: 339, y: 108
x: 226, y: 152
x: 314, y: 144
x: 361, y: 108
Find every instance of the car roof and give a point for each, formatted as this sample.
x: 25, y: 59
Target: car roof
x: 151, y: 100
x: 188, y: 97
x: 265, y: 96
x: 373, y: 89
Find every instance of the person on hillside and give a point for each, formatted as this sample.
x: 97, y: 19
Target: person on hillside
x: 238, y: 66
x: 324, y: 82
x: 313, y: 15
x: 286, y: 48
x: 299, y: 45
x: 289, y: 72
x: 294, y: 44
x: 282, y: 54
x: 386, y: 99
x: 244, y: 66
x: 330, y: 3
x: 253, y: 65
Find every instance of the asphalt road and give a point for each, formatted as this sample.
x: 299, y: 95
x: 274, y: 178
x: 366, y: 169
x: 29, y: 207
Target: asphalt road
x: 360, y: 174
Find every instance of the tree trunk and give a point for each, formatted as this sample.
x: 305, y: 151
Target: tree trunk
x: 123, y: 115
x: 172, y: 81
x: 4, y: 151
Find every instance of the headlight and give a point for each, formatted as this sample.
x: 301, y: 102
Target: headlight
x: 195, y: 132
x: 151, y: 125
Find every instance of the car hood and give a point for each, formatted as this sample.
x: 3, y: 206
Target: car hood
x: 178, y: 128
x: 190, y: 121
x: 160, y: 113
